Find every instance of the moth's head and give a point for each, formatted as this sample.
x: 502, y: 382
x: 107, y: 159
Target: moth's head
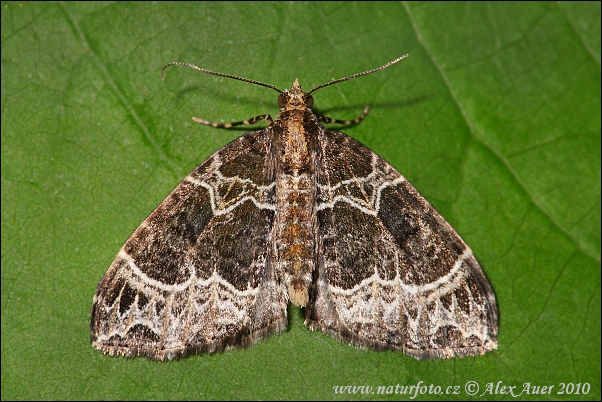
x: 295, y: 99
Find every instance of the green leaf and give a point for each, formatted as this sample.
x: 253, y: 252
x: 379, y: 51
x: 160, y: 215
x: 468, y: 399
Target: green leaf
x: 494, y: 117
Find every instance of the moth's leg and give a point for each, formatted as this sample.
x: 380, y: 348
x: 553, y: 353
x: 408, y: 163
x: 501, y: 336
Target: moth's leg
x: 358, y: 119
x: 254, y: 120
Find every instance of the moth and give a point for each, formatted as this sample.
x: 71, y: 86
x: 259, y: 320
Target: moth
x: 294, y: 213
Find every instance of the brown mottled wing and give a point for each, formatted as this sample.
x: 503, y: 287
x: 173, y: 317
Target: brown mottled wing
x: 392, y: 273
x: 197, y: 275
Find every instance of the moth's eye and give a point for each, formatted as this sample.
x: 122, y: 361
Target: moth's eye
x: 281, y: 100
x: 309, y: 101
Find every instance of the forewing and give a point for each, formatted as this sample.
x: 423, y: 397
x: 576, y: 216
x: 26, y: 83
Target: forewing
x: 392, y: 273
x: 197, y: 275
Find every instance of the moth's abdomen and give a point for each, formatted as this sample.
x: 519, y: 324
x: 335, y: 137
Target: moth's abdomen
x: 295, y: 227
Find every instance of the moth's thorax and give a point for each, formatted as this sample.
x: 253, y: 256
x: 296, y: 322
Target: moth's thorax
x: 295, y: 140
x: 295, y: 194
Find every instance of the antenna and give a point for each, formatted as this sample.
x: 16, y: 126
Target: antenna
x: 358, y: 74
x: 177, y: 63
x: 263, y: 84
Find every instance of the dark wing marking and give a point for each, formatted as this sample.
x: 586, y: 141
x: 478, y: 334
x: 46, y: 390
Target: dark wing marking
x: 188, y: 280
x: 391, y: 272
